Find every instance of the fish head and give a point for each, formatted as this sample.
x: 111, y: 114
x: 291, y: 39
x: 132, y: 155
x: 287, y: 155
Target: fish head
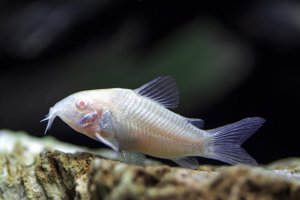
x: 78, y: 110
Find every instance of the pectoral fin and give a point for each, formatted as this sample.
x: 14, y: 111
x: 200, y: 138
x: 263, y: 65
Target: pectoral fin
x: 111, y: 142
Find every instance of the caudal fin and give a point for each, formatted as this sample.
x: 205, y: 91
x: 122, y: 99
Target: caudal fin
x: 225, y: 141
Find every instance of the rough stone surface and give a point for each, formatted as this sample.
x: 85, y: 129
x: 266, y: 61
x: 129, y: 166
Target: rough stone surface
x: 31, y: 168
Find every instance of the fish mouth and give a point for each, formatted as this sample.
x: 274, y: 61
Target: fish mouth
x: 50, y: 117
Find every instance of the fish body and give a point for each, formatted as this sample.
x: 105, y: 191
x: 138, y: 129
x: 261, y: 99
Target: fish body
x: 138, y: 122
x: 145, y: 126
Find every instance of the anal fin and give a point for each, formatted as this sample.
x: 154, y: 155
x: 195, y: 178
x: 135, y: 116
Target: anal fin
x: 187, y: 162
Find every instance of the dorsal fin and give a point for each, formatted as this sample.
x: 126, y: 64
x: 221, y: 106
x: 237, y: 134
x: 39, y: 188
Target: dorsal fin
x: 162, y: 90
x: 199, y: 123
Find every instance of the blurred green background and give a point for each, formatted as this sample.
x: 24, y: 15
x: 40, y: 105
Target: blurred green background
x: 231, y: 60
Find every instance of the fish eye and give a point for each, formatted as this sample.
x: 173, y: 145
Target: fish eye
x: 81, y: 104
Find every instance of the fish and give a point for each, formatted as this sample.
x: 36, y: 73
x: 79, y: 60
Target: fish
x: 141, y: 122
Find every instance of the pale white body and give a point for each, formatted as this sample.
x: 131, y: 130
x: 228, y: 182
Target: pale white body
x: 145, y: 126
x: 137, y: 122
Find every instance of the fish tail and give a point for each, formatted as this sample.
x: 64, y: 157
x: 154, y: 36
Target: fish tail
x: 225, y: 142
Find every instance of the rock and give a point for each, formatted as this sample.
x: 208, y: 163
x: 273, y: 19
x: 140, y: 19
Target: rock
x: 30, y: 168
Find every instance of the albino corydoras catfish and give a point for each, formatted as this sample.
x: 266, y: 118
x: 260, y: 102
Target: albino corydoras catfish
x: 138, y: 122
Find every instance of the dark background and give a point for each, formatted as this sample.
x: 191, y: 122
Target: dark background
x: 231, y: 59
